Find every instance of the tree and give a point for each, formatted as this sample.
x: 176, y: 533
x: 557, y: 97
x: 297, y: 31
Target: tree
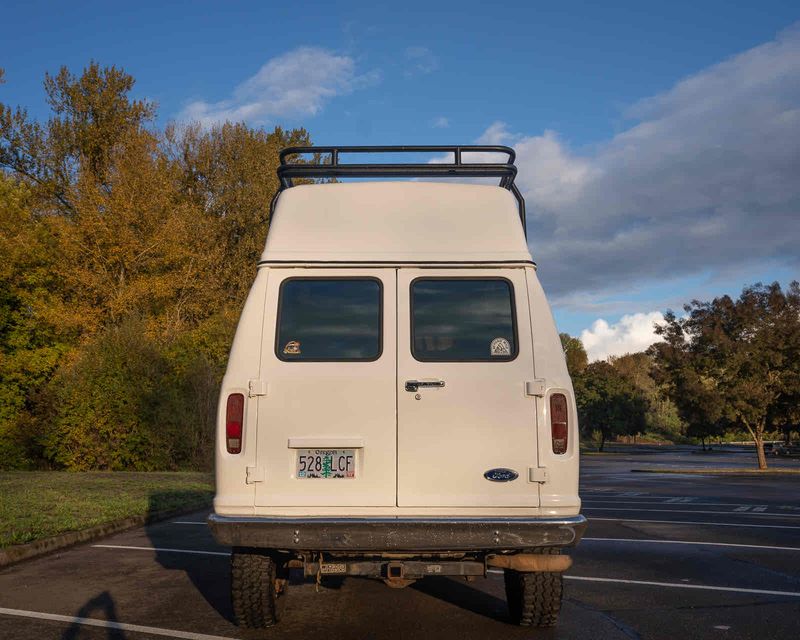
x: 608, y: 403
x: 228, y: 172
x: 92, y: 114
x: 575, y: 354
x: 126, y: 253
x: 734, y: 362
x: 662, y: 414
x: 30, y: 348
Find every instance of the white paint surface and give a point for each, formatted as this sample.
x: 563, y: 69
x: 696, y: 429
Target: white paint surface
x: 111, y: 624
x: 678, y: 585
x: 691, y: 542
x: 161, y: 550
x: 710, y: 524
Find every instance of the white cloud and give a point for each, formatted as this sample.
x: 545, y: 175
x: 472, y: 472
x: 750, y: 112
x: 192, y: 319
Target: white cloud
x: 705, y: 178
x: 297, y: 83
x: 420, y: 61
x: 440, y: 123
x: 632, y: 333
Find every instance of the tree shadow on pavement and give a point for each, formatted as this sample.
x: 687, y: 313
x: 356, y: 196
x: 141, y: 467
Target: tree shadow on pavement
x: 102, y: 602
x: 209, y: 574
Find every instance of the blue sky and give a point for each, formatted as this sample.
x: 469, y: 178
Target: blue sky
x: 659, y: 145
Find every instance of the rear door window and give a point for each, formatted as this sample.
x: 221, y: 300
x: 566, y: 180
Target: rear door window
x: 463, y: 320
x: 329, y: 319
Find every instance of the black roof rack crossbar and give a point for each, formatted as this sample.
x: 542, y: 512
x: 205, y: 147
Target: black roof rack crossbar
x: 504, y: 171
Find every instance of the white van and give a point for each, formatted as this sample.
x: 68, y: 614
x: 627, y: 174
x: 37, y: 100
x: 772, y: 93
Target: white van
x: 396, y: 403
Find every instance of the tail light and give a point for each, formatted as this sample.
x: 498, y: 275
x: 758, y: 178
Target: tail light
x: 234, y: 417
x: 559, y: 422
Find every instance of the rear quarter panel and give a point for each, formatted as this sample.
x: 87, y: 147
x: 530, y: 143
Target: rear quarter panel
x: 559, y: 495
x: 233, y: 495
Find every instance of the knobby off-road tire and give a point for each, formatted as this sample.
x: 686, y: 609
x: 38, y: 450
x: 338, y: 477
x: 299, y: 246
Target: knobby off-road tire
x: 534, y: 599
x: 254, y: 593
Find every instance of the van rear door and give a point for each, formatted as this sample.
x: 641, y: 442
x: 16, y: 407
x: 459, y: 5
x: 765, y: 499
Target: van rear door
x: 327, y: 419
x: 466, y: 428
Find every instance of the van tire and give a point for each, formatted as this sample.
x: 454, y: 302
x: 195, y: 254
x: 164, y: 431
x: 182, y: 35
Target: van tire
x: 534, y: 599
x: 254, y: 592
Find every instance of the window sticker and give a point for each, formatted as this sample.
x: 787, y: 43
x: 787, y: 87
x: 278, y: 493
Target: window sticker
x: 292, y: 348
x: 500, y: 347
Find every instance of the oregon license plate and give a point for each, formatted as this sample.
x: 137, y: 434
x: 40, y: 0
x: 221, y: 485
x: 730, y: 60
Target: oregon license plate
x: 326, y: 463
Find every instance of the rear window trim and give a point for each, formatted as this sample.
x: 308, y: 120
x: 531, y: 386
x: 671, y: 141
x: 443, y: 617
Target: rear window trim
x: 278, y: 318
x: 510, y: 284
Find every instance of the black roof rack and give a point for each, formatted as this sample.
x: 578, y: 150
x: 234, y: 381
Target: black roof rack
x: 504, y: 171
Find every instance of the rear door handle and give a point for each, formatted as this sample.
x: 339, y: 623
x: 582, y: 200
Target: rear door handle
x: 415, y: 385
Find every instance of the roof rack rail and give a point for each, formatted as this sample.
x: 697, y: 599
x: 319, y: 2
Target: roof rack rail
x: 504, y: 171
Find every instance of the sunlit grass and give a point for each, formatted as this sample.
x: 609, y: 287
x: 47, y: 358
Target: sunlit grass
x: 38, y: 504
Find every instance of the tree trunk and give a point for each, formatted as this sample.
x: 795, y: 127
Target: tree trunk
x: 757, y: 432
x: 703, y: 443
x: 762, y: 458
x: 602, y: 439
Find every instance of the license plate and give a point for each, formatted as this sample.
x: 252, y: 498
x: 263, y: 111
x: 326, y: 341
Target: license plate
x: 326, y: 463
x: 333, y: 568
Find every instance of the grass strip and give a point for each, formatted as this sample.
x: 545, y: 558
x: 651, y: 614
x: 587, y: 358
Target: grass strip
x: 39, y: 504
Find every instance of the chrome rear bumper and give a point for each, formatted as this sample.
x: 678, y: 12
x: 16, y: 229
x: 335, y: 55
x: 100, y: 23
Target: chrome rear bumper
x: 396, y: 534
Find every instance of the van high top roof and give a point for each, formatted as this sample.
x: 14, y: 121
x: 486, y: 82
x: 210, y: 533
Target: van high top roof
x: 399, y: 221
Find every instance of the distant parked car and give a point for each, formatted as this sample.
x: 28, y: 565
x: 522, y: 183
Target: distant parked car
x: 782, y: 449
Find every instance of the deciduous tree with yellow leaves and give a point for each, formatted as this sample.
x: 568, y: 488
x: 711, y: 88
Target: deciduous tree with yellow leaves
x: 125, y: 255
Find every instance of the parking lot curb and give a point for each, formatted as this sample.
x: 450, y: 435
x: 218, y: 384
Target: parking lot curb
x: 728, y: 471
x: 18, y: 553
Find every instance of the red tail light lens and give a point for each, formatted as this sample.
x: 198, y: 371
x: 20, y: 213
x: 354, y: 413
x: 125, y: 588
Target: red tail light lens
x: 234, y: 417
x: 559, y: 422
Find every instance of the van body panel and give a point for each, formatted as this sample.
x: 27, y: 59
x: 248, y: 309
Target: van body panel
x: 233, y: 494
x: 397, y: 222
x: 450, y: 436
x: 561, y: 488
x: 327, y: 405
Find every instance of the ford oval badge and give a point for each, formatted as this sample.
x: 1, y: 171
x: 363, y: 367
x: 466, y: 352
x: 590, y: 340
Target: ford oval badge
x: 501, y: 475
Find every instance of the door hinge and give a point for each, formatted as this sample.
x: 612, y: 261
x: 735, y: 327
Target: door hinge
x: 256, y: 388
x: 535, y: 388
x: 254, y: 474
x: 537, y: 474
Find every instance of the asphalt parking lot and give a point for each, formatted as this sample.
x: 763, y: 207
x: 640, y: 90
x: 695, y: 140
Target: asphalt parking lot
x: 665, y: 556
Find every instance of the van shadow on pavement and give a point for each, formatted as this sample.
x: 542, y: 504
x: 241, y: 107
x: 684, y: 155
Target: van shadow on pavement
x: 209, y: 574
x: 459, y: 593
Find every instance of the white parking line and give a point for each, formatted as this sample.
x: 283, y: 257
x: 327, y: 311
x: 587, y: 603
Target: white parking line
x: 710, y: 524
x: 735, y: 512
x: 681, y: 585
x: 161, y: 549
x: 692, y: 542
x: 677, y: 585
x: 111, y: 624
